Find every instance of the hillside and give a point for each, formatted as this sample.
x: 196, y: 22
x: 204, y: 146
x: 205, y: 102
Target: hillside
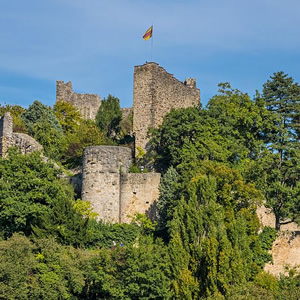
x: 204, y: 238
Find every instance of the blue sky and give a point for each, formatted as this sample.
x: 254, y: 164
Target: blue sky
x: 96, y: 44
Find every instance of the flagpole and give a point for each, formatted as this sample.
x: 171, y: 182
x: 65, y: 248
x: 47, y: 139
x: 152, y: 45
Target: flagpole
x: 152, y: 42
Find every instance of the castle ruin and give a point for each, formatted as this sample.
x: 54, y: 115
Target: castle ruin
x: 87, y: 104
x: 8, y: 138
x: 155, y: 93
x: 114, y: 193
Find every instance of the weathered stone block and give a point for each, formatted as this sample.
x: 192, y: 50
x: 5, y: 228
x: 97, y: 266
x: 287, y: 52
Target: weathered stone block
x: 113, y: 192
x: 155, y: 93
x: 139, y: 194
x: 87, y: 104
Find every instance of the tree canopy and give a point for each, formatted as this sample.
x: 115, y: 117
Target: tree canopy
x: 206, y: 242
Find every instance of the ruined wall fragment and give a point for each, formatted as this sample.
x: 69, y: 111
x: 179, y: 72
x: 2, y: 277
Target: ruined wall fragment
x: 155, y: 93
x: 87, y: 104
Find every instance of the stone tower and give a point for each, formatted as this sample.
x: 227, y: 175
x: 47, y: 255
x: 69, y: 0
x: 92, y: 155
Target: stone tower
x: 102, y: 167
x: 114, y: 193
x: 155, y: 93
x: 87, y: 104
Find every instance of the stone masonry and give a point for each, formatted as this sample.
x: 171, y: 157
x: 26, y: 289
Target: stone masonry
x: 113, y: 192
x: 8, y: 138
x: 155, y: 93
x: 139, y: 194
x: 87, y: 104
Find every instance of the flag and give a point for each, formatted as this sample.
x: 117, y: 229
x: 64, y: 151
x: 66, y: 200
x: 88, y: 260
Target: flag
x: 148, y: 34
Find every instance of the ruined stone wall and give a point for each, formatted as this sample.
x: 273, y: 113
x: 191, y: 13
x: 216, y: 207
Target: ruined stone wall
x: 113, y: 192
x: 102, y: 169
x: 26, y: 143
x: 286, y: 247
x: 8, y: 138
x: 87, y: 104
x: 155, y: 93
x: 126, y: 111
x: 139, y: 193
x: 6, y: 133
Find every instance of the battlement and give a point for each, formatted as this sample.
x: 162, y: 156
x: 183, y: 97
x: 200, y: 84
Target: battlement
x: 87, y: 104
x: 155, y: 93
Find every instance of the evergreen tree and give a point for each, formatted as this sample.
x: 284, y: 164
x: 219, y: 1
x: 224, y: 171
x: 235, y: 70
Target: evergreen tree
x: 37, y: 112
x: 282, y: 164
x: 42, y: 124
x: 167, y: 197
x: 282, y: 96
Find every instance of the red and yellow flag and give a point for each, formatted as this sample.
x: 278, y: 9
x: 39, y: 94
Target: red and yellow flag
x: 148, y: 34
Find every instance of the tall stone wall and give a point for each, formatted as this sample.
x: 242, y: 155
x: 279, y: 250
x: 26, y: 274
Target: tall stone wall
x: 102, y: 169
x: 113, y: 192
x: 155, y: 93
x: 8, y: 138
x: 139, y: 193
x: 87, y: 104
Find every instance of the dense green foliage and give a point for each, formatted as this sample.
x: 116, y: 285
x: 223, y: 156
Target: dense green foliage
x: 42, y: 124
x: 16, y: 112
x: 282, y: 97
x: 28, y: 188
x: 217, y: 165
x: 109, y: 116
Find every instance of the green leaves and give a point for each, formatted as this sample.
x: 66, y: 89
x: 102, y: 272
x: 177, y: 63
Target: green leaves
x: 282, y: 98
x: 42, y: 124
x: 33, y: 198
x: 67, y: 115
x: 109, y: 116
x: 27, y: 189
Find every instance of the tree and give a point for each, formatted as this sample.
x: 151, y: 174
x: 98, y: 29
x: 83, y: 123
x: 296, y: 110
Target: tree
x: 42, y: 124
x: 242, y: 121
x: 229, y: 130
x: 51, y: 139
x: 282, y: 162
x: 30, y: 189
x: 67, y: 115
x: 37, y: 113
x: 282, y: 96
x: 16, y: 267
x: 109, y: 116
x: 186, y: 135
x: 133, y: 272
x: 44, y: 269
x: 63, y: 222
x: 84, y: 135
x: 168, y: 197
x: 217, y: 223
